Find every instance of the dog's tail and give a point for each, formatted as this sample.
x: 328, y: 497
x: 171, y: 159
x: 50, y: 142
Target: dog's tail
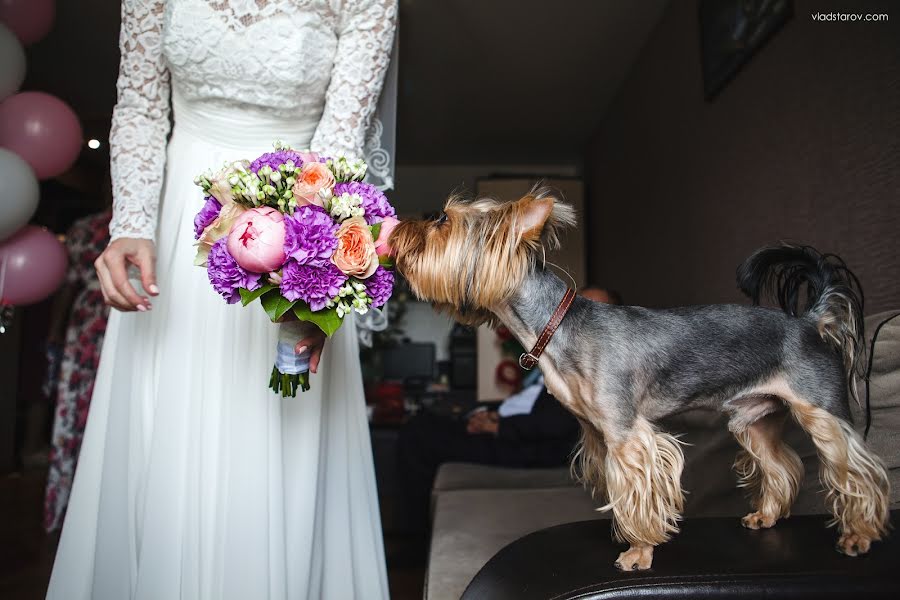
x: 816, y: 286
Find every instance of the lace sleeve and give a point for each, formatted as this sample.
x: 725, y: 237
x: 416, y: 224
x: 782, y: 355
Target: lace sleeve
x: 366, y: 33
x: 140, y: 121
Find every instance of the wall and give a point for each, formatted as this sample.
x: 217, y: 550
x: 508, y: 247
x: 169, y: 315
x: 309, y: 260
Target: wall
x: 803, y: 144
x: 421, y: 323
x: 423, y: 189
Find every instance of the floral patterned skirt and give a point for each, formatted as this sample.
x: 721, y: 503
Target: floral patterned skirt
x: 78, y: 368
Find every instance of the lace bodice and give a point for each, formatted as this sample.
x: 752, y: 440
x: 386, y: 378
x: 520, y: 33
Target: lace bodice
x: 322, y: 59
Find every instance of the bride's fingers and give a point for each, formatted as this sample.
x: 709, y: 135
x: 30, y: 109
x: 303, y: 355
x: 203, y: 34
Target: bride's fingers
x: 309, y: 342
x: 110, y: 294
x: 97, y: 267
x: 146, y: 262
x: 106, y: 299
x: 117, y: 272
x: 315, y: 356
x: 314, y: 343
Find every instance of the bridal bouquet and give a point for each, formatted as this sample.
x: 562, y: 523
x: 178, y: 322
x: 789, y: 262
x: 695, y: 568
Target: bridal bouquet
x: 305, y: 236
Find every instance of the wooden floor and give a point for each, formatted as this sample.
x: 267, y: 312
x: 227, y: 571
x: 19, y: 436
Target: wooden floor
x: 26, y: 552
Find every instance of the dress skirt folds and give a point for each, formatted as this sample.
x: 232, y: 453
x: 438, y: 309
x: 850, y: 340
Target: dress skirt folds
x: 195, y: 480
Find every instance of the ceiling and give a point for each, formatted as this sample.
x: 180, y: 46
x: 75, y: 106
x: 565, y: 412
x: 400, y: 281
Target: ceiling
x: 481, y: 81
x: 512, y: 80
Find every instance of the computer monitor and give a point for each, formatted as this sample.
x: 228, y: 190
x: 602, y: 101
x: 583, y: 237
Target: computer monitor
x: 411, y: 363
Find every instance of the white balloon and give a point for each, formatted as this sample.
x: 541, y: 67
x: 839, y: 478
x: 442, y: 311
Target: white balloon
x: 12, y: 63
x: 19, y: 193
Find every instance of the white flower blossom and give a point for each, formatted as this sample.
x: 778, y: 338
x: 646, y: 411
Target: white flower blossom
x: 347, y: 170
x: 345, y: 206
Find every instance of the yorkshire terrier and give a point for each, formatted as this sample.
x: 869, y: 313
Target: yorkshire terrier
x: 620, y: 369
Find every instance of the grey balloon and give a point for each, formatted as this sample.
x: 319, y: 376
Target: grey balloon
x: 19, y: 193
x: 12, y: 63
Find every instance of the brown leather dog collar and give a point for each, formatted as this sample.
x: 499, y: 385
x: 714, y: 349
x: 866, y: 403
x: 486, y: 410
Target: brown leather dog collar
x: 529, y: 360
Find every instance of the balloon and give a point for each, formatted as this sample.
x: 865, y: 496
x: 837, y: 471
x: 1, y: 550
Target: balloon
x: 30, y: 20
x: 32, y: 265
x: 12, y: 63
x: 18, y: 195
x: 43, y: 130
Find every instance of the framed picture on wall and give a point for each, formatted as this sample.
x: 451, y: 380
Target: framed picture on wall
x: 731, y: 32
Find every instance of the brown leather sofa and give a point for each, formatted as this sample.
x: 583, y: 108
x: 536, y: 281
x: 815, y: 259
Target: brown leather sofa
x: 710, y: 558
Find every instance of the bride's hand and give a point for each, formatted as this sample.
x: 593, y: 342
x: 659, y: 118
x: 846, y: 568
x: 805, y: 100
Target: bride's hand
x: 112, y: 269
x: 314, y: 343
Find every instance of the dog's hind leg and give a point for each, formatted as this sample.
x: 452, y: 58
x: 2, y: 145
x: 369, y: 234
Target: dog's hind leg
x: 769, y: 468
x: 643, y: 482
x: 855, y: 479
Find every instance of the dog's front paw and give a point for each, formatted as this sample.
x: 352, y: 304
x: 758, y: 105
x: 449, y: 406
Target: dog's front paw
x: 757, y: 520
x: 853, y: 544
x: 636, y: 558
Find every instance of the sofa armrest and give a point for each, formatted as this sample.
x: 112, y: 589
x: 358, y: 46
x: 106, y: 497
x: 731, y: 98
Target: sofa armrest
x: 710, y: 558
x: 470, y: 476
x: 471, y: 526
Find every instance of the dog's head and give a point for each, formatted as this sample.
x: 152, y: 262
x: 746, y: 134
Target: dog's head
x: 471, y: 258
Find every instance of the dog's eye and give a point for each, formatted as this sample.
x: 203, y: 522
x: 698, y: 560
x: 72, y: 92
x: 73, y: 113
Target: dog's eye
x: 441, y: 219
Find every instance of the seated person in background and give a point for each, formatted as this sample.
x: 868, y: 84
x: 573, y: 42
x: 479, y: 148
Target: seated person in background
x: 530, y: 429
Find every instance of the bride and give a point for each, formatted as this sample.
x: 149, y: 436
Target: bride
x: 196, y: 481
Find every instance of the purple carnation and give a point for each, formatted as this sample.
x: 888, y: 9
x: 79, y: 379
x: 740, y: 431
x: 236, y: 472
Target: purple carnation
x: 374, y: 203
x: 380, y: 286
x: 313, y: 285
x: 207, y: 215
x: 226, y: 276
x: 310, y: 236
x: 276, y: 159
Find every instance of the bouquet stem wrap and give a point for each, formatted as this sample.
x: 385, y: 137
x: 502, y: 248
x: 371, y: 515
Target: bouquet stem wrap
x: 291, y: 370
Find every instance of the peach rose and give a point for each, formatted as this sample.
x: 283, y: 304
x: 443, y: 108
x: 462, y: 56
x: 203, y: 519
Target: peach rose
x: 355, y: 254
x: 382, y: 247
x: 314, y: 179
x: 217, y: 230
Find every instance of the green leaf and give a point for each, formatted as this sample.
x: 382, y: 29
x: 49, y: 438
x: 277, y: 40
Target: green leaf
x: 386, y: 261
x: 275, y: 304
x: 326, y: 319
x: 376, y: 230
x: 247, y: 296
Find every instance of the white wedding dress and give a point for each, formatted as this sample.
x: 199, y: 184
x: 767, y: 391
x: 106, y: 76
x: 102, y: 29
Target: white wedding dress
x: 195, y: 481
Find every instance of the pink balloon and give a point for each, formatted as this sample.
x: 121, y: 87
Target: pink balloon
x: 30, y: 20
x: 43, y: 130
x: 32, y: 265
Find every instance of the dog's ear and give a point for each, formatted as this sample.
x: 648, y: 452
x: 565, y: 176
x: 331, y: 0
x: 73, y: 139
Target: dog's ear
x: 531, y: 215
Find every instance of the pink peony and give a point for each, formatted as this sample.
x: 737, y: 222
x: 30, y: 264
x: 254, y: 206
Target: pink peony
x: 382, y: 247
x: 355, y: 254
x: 308, y: 157
x: 314, y: 180
x: 256, y: 241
